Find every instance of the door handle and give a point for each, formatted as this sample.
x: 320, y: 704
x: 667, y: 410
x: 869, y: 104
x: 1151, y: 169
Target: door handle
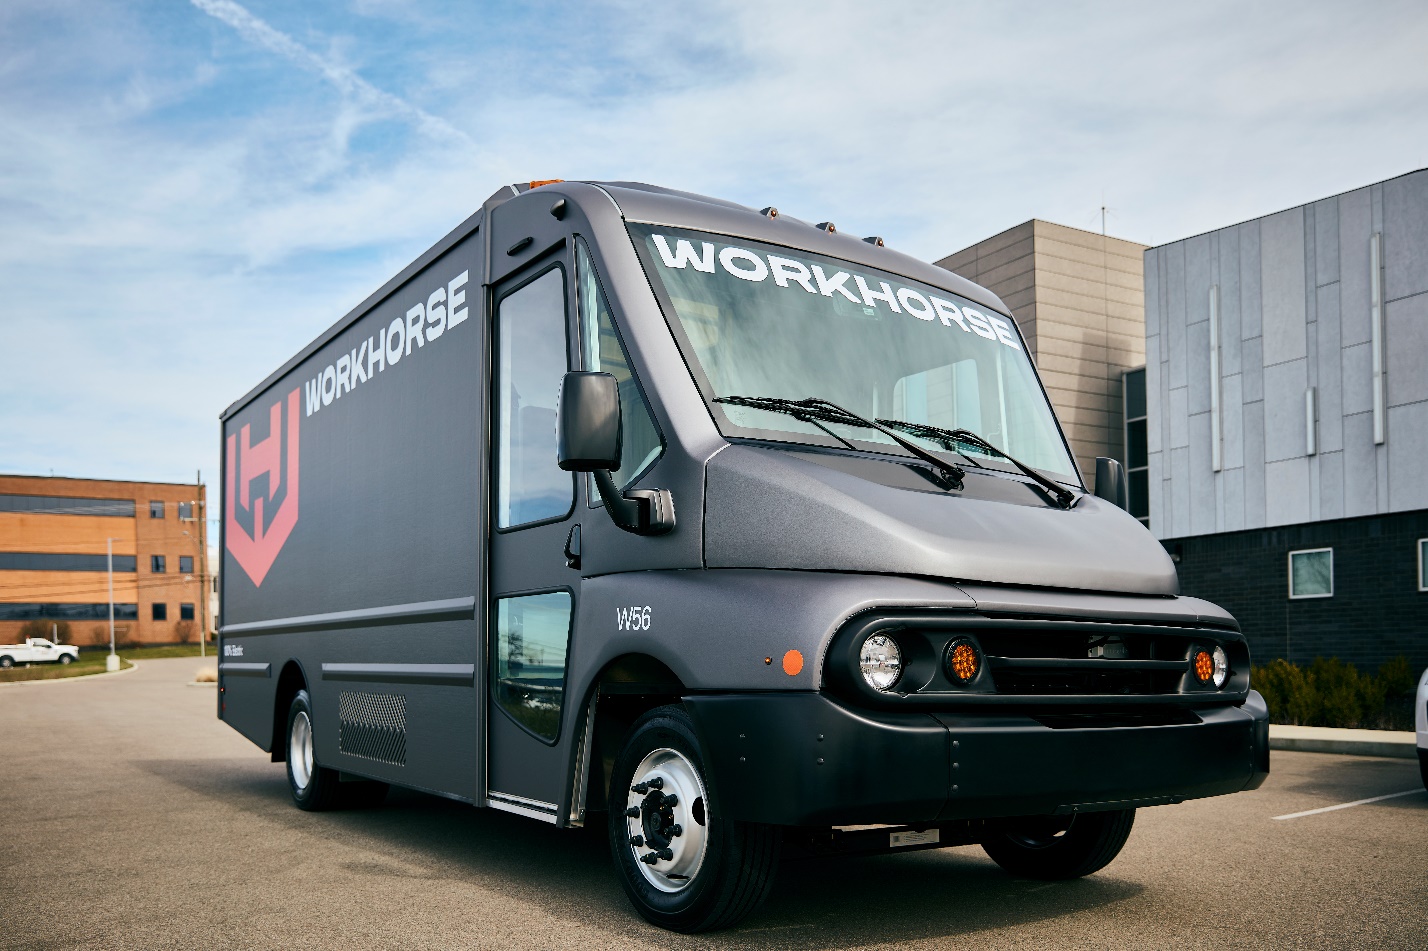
x: 572, y: 547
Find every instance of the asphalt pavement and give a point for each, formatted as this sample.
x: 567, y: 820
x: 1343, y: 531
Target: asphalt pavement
x: 130, y: 817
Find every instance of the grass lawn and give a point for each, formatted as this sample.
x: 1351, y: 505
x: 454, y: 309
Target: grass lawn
x: 92, y: 662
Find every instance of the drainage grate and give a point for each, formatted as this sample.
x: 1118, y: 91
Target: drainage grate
x: 373, y: 726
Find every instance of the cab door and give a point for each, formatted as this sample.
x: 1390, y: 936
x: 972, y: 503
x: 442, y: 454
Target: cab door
x: 533, y: 506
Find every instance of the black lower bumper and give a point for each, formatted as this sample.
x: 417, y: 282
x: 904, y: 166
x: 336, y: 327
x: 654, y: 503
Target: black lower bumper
x: 804, y: 759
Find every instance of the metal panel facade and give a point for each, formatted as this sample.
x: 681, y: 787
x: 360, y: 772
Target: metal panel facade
x: 1295, y: 294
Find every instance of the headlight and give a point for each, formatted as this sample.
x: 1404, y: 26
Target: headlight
x: 1222, y: 666
x: 880, y: 661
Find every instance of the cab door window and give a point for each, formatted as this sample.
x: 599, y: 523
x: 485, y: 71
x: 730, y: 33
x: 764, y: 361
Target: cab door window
x: 531, y: 360
x: 603, y: 351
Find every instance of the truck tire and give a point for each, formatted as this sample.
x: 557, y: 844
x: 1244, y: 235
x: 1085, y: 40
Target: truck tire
x: 7, y: 662
x: 1423, y: 766
x: 683, y: 866
x: 316, y: 788
x: 66, y: 659
x: 313, y: 787
x: 1059, y: 847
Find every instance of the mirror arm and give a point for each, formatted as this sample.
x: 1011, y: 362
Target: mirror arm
x: 640, y: 511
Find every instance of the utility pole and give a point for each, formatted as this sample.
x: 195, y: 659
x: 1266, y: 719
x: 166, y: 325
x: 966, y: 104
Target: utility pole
x: 201, y: 513
x: 111, y: 663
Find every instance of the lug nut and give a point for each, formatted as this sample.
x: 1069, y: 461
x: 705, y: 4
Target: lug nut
x: 633, y: 812
x: 671, y: 800
x: 676, y: 830
x: 649, y: 858
x: 637, y: 841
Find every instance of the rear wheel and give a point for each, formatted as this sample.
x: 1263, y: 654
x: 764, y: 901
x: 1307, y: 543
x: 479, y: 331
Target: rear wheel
x: 316, y: 788
x: 1059, y: 847
x: 7, y: 662
x: 683, y: 866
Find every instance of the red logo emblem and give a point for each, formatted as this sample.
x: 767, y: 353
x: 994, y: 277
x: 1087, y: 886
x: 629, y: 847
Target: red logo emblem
x: 256, y: 551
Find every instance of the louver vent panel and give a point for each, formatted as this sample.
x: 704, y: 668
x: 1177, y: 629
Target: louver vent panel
x: 373, y: 726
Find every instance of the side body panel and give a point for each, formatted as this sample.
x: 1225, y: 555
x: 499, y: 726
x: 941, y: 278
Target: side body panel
x: 352, y: 536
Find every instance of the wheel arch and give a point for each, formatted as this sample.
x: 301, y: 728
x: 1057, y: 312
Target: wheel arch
x: 625, y: 689
x: 290, y: 681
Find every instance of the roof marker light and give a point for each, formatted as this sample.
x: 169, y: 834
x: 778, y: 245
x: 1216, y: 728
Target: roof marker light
x: 827, y: 226
x: 875, y: 241
x: 769, y: 212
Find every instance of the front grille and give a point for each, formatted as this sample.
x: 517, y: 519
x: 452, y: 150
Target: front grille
x: 1047, y: 663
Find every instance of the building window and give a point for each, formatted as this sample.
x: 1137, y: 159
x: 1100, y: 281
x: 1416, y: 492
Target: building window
x: 156, y: 510
x: 1137, y: 456
x: 1311, y: 573
x: 161, y: 612
x: 185, y: 511
x: 66, y: 505
x: 185, y: 612
x: 156, y: 564
x: 1423, y: 564
x: 185, y: 564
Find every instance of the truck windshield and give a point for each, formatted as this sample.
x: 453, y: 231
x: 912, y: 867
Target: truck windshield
x: 758, y: 320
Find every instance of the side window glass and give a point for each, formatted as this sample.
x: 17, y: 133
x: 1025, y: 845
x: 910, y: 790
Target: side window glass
x: 528, y: 673
x: 530, y: 334
x: 602, y: 351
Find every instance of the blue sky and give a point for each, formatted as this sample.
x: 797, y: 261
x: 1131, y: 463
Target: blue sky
x: 190, y: 190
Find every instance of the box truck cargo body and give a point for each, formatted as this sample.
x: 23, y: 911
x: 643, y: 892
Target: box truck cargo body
x: 732, y: 532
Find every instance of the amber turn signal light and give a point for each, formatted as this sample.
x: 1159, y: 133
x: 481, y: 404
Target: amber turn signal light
x: 1204, y: 667
x: 963, y: 661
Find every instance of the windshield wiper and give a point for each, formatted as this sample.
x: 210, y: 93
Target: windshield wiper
x: 949, y: 438
x: 818, y: 412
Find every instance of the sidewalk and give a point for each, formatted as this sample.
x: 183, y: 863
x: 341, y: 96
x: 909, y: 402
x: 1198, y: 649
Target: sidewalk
x: 1319, y: 739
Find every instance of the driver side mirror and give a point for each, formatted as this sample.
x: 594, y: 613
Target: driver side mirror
x: 589, y: 437
x: 1111, y: 482
x: 590, y: 434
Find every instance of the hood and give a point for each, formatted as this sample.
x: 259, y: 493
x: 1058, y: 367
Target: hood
x: 776, y: 508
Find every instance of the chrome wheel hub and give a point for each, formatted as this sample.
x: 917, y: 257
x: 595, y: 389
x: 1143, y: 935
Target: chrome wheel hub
x: 300, y: 750
x: 666, y: 820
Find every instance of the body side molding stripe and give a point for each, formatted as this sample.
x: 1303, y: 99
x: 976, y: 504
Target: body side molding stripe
x: 449, y: 609
x: 455, y: 675
x: 237, y: 669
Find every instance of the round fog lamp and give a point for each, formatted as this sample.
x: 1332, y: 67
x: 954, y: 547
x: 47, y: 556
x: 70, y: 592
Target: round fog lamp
x: 963, y: 661
x: 880, y: 661
x: 1222, y: 666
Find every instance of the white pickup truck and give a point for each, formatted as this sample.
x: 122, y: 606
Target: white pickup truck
x: 37, y: 650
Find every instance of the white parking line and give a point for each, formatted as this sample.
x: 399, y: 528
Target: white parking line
x: 1349, y: 805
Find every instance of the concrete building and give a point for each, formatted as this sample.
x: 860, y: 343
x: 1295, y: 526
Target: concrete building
x: 54, y: 566
x: 1079, y: 300
x: 1287, y: 422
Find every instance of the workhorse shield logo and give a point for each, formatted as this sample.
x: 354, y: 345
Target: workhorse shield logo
x: 274, y: 515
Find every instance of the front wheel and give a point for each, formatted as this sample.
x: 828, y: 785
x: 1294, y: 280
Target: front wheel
x: 1059, y: 847
x: 66, y: 659
x: 683, y: 866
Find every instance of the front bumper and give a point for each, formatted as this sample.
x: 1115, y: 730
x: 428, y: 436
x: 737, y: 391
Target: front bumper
x: 805, y: 759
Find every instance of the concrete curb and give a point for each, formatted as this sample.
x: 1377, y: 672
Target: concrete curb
x: 1318, y: 739
x: 81, y: 678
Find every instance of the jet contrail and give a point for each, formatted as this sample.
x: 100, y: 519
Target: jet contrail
x: 344, y: 79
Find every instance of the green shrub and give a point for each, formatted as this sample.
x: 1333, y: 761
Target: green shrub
x: 1333, y: 693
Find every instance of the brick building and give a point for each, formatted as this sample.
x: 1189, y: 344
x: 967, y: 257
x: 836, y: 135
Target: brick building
x: 53, y: 564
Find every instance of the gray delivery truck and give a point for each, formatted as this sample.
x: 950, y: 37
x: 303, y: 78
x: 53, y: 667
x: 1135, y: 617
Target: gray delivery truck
x: 739, y: 534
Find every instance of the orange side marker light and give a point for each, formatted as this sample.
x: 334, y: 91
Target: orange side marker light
x: 792, y: 663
